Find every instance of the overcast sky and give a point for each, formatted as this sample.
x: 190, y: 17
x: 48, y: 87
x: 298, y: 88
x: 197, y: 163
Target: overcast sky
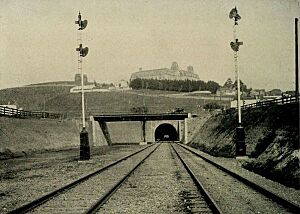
x: 38, y: 39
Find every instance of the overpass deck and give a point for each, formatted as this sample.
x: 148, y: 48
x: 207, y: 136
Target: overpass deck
x: 140, y: 117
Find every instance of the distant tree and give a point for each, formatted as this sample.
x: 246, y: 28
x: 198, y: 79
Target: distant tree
x: 212, y: 86
x: 228, y: 83
x: 136, y: 83
x: 248, y: 92
x: 243, y: 86
x: 174, y: 85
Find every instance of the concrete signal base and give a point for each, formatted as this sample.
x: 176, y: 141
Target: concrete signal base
x: 84, y: 145
x: 240, y: 141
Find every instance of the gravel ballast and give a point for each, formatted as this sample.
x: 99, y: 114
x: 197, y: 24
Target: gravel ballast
x: 231, y: 195
x: 160, y: 185
x: 235, y: 165
x: 25, y: 179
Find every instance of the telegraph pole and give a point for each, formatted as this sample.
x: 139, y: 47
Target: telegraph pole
x: 240, y: 132
x: 82, y: 52
x: 296, y: 61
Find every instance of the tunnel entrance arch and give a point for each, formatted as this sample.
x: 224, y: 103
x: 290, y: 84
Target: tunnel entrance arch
x: 166, y: 132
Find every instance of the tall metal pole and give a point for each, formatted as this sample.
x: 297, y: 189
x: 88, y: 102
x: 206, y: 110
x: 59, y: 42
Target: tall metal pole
x: 80, y: 71
x: 297, y: 69
x: 82, y: 101
x: 238, y: 88
x: 296, y: 61
x: 82, y: 52
x: 237, y: 73
x: 240, y: 132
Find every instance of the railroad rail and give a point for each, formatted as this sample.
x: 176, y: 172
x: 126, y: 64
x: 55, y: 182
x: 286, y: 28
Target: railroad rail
x: 289, y: 205
x: 98, y: 198
x: 39, y: 201
x: 208, y: 198
x: 209, y: 204
x: 96, y: 206
x: 17, y: 113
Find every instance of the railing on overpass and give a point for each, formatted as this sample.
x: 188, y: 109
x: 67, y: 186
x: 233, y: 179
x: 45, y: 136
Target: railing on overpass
x: 17, y: 113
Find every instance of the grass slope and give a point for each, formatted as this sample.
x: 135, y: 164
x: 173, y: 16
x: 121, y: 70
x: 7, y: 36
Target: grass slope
x: 272, y: 139
x: 56, y: 98
x: 19, y: 137
x: 33, y: 98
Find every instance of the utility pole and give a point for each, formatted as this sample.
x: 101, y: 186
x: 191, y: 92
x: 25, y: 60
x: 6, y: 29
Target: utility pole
x: 240, y: 132
x: 220, y: 97
x: 82, y: 52
x: 296, y: 61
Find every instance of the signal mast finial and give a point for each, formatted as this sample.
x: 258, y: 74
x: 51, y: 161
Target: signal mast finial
x: 82, y: 23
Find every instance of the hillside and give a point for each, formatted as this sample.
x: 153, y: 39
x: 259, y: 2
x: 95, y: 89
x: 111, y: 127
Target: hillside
x: 19, y: 137
x: 32, y: 98
x: 124, y: 101
x: 57, y: 83
x: 56, y: 98
x: 272, y: 139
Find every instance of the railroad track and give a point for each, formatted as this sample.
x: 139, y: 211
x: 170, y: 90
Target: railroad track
x: 59, y: 199
x: 282, y: 202
x: 195, y: 198
x: 87, y: 195
x: 97, y: 205
x: 203, y: 203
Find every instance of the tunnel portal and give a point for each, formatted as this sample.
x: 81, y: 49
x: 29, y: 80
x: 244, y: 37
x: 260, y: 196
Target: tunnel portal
x: 165, y: 132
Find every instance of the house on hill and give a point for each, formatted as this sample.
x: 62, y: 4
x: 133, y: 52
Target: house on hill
x: 122, y: 84
x: 173, y: 73
x: 78, y: 79
x: 227, y: 89
x: 274, y: 92
x: 259, y: 93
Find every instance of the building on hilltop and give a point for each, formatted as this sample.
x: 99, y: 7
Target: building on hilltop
x: 274, y: 92
x: 259, y: 93
x: 87, y: 86
x: 122, y: 84
x: 227, y: 89
x: 78, y: 79
x: 173, y: 73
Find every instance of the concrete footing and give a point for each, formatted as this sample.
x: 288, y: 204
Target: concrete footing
x: 84, y: 145
x: 240, y: 142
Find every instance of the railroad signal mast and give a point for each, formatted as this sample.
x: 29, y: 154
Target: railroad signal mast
x: 296, y: 62
x: 240, y: 132
x: 82, y: 52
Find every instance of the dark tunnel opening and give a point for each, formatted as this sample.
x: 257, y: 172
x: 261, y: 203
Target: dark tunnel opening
x: 166, y: 132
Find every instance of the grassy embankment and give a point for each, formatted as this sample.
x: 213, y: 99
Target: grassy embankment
x: 19, y: 137
x: 33, y: 98
x: 272, y: 139
x: 58, y: 99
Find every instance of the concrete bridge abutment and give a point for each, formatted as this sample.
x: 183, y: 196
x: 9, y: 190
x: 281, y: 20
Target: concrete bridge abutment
x: 117, y: 130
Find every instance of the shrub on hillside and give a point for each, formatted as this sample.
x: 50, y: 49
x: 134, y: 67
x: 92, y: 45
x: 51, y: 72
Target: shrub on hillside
x: 263, y: 143
x: 140, y: 110
x: 285, y: 171
x: 212, y: 106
